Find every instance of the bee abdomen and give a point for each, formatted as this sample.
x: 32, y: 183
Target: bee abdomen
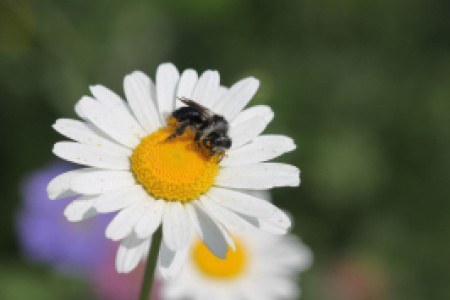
x: 187, y: 113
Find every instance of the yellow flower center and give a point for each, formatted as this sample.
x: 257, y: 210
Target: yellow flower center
x: 175, y: 170
x: 209, y: 264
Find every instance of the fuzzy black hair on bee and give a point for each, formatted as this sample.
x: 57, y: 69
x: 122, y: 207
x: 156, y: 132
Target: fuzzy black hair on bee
x: 211, y: 130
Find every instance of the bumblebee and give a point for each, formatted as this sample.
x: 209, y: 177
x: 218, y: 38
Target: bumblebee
x: 211, y: 130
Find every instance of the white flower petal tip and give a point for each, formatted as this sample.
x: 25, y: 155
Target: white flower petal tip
x: 206, y: 89
x: 103, y: 94
x: 257, y: 111
x: 115, y: 127
x: 53, y: 193
x: 79, y: 110
x: 118, y: 107
x: 130, y: 252
x: 186, y: 86
x: 242, y: 203
x: 80, y: 209
x: 263, y: 112
x: 249, y: 124
x: 262, y: 148
x: 139, y: 90
x: 225, y: 216
x: 208, y: 230
x: 123, y: 223
x: 279, y: 223
x: 260, y: 176
x: 86, y: 134
x: 56, y: 189
x: 167, y: 77
x: 59, y: 187
x: 238, y: 97
x: 170, y: 263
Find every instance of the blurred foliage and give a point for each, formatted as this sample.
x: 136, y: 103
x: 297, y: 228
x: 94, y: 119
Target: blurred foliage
x: 362, y: 86
x: 21, y: 282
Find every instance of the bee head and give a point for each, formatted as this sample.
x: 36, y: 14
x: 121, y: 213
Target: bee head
x: 221, y: 144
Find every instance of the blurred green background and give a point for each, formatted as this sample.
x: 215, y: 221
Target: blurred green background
x: 362, y: 86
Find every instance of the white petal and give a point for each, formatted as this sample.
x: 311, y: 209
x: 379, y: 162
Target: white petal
x: 221, y: 92
x: 242, y: 203
x: 205, y: 91
x: 120, y: 198
x: 112, y: 125
x: 130, y: 252
x: 249, y: 124
x: 279, y: 219
x: 257, y: 111
x: 80, y: 209
x: 227, y: 237
x: 85, y: 134
x: 279, y: 223
x: 207, y: 230
x: 166, y: 83
x: 253, y: 222
x: 138, y: 87
x: 99, y: 182
x: 151, y: 219
x: 267, y: 227
x: 253, y: 291
x: 258, y: 176
x: 186, y: 86
x: 262, y: 194
x: 228, y: 218
x: 59, y: 187
x: 124, y: 221
x: 146, y: 249
x: 171, y: 262
x: 237, y: 97
x: 118, y: 107
x: 90, y: 156
x: 262, y: 148
x: 283, y: 288
x: 176, y: 226
x: 79, y: 110
x: 178, y: 290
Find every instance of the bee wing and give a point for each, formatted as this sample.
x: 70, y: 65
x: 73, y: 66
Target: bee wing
x: 205, y: 111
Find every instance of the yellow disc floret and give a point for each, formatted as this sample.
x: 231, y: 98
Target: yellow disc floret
x: 210, y: 265
x: 175, y: 170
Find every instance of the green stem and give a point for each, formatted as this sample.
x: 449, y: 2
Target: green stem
x: 147, y: 281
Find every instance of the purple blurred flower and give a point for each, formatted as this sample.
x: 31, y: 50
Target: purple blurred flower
x: 46, y: 236
x: 107, y: 284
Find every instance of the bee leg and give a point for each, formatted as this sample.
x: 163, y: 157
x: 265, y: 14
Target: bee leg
x: 197, y: 137
x: 207, y: 144
x: 178, y: 131
x: 221, y: 155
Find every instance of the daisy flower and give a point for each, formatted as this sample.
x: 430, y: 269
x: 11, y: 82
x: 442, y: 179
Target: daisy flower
x: 263, y: 266
x: 132, y: 169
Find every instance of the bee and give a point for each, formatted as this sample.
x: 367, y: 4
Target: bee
x: 211, y: 130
